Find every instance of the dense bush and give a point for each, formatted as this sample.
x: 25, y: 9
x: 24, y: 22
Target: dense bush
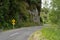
x: 18, y: 10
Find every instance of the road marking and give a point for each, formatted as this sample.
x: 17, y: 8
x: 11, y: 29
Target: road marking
x: 14, y: 34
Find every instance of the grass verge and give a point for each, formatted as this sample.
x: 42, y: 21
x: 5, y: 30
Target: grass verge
x: 48, y: 33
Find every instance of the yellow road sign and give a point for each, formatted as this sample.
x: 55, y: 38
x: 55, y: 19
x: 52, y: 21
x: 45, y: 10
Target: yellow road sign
x: 13, y: 21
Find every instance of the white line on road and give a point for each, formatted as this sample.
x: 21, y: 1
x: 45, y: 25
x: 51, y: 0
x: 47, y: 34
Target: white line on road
x: 14, y: 34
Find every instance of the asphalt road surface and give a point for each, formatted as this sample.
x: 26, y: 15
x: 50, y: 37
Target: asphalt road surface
x: 19, y: 34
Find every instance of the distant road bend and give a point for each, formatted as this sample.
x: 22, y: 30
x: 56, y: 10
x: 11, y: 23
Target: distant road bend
x: 19, y: 34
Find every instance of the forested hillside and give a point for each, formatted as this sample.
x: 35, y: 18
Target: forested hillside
x: 22, y: 11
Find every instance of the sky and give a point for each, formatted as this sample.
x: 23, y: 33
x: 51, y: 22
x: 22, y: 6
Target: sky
x: 43, y: 3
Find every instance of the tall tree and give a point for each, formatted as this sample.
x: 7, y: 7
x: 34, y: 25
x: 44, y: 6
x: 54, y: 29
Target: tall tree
x: 55, y: 12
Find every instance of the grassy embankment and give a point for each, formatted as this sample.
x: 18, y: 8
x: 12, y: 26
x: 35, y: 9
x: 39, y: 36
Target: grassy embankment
x: 47, y: 33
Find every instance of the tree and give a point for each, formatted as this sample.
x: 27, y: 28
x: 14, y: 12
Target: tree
x: 18, y: 10
x: 45, y: 11
x: 55, y: 12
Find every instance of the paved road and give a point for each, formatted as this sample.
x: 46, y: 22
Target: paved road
x: 19, y: 34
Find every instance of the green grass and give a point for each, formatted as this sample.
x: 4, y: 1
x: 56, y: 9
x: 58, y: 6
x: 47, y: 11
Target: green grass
x: 51, y: 33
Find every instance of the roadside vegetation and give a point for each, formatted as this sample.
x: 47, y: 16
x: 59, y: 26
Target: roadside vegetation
x: 47, y: 33
x: 51, y: 31
x: 20, y: 11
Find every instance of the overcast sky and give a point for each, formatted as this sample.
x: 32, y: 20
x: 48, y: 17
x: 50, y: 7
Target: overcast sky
x: 43, y: 3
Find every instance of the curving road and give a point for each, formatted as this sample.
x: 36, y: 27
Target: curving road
x: 19, y: 34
